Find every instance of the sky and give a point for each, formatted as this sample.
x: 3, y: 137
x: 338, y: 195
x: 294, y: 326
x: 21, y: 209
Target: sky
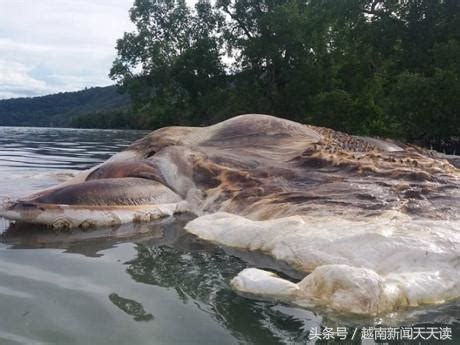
x: 49, y: 46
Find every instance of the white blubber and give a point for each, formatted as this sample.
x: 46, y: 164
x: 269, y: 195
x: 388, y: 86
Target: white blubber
x: 253, y: 281
x: 366, y: 266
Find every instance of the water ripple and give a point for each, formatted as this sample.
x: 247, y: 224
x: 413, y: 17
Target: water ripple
x: 25, y: 152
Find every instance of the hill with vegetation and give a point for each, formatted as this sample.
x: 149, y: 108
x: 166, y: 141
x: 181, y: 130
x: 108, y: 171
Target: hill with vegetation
x: 97, y: 107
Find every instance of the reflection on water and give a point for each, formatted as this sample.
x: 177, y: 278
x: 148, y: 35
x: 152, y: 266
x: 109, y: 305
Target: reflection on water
x: 131, y: 307
x: 136, y: 284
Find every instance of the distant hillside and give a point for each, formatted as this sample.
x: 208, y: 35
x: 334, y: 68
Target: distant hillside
x: 96, y: 105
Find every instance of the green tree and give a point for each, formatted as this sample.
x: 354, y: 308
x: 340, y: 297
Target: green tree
x: 371, y: 67
x: 172, y: 63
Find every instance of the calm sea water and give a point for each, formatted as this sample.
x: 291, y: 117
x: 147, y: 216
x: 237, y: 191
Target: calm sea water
x: 137, y: 284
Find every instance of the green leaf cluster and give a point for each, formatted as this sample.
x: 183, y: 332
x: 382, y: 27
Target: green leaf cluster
x: 373, y: 67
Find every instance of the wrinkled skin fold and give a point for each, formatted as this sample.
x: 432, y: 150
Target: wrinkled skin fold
x: 263, y: 168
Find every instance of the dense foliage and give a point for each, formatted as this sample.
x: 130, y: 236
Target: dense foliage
x: 389, y: 68
x: 100, y: 107
x: 373, y: 67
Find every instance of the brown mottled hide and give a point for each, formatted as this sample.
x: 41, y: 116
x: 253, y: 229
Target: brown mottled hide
x: 138, y: 169
x: 110, y: 191
x: 265, y: 167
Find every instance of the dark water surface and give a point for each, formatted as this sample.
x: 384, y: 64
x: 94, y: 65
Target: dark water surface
x: 137, y: 284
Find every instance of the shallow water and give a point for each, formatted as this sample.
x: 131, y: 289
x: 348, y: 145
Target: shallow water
x: 143, y: 284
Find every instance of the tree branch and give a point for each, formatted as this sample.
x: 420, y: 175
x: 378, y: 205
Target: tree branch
x: 242, y: 26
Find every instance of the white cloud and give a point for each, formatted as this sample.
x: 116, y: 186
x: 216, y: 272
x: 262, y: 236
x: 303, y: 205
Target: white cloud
x: 15, y: 80
x: 58, y: 45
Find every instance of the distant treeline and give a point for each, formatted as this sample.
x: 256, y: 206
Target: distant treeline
x: 372, y: 67
x: 97, y: 107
